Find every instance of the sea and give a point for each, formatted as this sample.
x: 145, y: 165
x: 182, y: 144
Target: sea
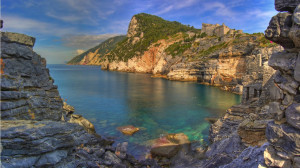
x: 157, y: 106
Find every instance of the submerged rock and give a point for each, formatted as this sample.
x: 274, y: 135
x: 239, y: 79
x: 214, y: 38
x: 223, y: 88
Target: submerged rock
x: 128, y: 129
x: 169, y: 145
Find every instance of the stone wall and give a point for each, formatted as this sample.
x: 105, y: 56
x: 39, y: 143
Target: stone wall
x: 27, y: 90
x: 217, y: 30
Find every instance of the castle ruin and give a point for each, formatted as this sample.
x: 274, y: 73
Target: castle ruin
x: 217, y: 30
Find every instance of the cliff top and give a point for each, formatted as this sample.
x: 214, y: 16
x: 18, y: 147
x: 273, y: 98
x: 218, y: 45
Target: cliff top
x: 10, y: 37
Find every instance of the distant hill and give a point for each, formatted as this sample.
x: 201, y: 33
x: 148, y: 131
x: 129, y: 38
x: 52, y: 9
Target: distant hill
x: 93, y: 56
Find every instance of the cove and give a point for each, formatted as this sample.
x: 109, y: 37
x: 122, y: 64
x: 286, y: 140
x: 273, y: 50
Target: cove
x: 157, y: 106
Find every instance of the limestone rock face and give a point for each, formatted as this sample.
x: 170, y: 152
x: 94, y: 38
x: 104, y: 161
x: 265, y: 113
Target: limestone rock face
x: 28, y: 143
x: 132, y: 29
x: 32, y: 149
x: 296, y: 15
x: 279, y: 28
x: 294, y: 33
x: 273, y: 160
x: 250, y: 157
x: 28, y: 95
x: 284, y: 137
x: 283, y: 61
x: 284, y: 133
x: 286, y: 5
x: 18, y: 38
x: 27, y: 90
x: 269, y: 110
x: 297, y: 70
x: 293, y: 115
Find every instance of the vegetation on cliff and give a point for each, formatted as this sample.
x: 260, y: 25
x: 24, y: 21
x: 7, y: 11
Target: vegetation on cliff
x: 104, y: 48
x: 149, y: 29
x: 146, y: 30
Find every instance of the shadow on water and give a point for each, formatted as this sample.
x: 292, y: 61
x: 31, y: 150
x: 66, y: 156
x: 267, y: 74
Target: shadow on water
x: 157, y: 106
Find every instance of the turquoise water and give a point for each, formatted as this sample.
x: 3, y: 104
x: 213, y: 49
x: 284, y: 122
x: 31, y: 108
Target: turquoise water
x: 157, y: 106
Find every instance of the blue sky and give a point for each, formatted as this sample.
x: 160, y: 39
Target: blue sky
x: 64, y: 28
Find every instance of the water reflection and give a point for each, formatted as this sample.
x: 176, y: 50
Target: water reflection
x: 158, y: 106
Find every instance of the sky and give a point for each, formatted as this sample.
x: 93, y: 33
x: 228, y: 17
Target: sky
x: 65, y: 28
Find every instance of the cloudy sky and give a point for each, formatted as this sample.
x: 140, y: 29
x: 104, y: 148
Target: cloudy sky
x: 64, y: 28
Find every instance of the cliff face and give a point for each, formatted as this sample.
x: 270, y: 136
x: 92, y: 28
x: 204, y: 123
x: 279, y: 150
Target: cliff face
x: 264, y: 130
x: 215, y: 55
x: 37, y: 128
x: 27, y: 90
x: 283, y: 133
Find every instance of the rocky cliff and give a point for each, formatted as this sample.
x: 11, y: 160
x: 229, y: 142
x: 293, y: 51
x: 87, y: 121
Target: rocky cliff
x: 37, y: 128
x: 27, y: 90
x: 264, y: 130
x: 215, y: 55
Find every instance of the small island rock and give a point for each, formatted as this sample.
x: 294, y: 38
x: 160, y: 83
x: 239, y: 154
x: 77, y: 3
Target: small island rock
x: 128, y: 129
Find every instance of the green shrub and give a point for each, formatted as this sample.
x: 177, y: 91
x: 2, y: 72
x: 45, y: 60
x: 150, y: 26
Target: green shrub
x: 178, y: 48
x: 154, y: 29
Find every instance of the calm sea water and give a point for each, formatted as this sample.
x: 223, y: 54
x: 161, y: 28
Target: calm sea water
x: 157, y: 106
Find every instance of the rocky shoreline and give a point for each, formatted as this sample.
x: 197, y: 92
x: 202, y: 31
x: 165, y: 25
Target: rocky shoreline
x: 39, y: 130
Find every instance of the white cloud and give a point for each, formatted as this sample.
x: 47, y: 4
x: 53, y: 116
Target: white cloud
x: 174, y: 5
x: 66, y: 18
x: 25, y: 25
x: 85, y: 41
x: 261, y: 14
x: 219, y: 9
x: 79, y: 51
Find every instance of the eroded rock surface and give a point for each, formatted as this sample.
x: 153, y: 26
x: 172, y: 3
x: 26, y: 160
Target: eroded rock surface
x: 36, y: 131
x: 27, y: 90
x: 28, y: 143
x: 286, y: 5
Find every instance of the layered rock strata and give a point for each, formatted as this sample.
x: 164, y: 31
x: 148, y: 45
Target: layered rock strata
x: 231, y: 67
x: 27, y: 90
x: 264, y: 130
x: 283, y: 133
x: 37, y: 129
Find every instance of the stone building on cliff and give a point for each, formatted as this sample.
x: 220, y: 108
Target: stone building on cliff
x: 217, y: 30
